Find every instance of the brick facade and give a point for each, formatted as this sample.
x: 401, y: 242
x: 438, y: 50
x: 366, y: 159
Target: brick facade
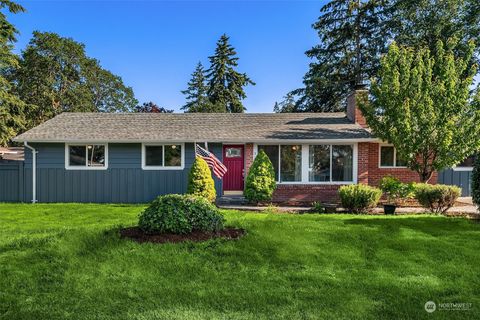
x: 368, y: 170
x: 249, y: 156
x: 305, y: 193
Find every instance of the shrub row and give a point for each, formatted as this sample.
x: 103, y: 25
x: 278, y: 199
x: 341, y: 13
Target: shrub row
x: 436, y: 198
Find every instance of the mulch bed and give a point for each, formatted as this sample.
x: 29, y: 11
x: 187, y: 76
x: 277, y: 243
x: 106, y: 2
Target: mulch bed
x: 136, y: 234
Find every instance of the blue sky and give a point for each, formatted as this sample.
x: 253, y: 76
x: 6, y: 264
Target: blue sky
x: 155, y: 45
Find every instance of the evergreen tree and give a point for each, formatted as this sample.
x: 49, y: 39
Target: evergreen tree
x: 225, y: 84
x: 196, y: 93
x: 422, y: 23
x: 288, y: 104
x: 351, y: 39
x: 200, y: 181
x: 260, y: 183
x: 355, y: 33
x: 11, y: 107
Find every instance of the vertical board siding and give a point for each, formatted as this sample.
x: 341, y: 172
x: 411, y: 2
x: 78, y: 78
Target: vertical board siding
x: 11, y: 181
x: 123, y: 182
x: 461, y: 179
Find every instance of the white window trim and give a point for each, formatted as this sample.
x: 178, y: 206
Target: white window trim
x: 86, y: 167
x: 182, y: 155
x: 380, y: 145
x: 305, y: 162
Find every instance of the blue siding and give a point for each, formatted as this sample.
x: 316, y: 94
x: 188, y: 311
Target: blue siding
x: 123, y: 182
x: 11, y: 181
x: 461, y: 179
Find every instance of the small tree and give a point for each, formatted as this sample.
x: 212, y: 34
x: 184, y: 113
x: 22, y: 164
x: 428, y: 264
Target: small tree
x: 200, y: 181
x: 476, y: 181
x: 260, y: 180
x: 422, y: 104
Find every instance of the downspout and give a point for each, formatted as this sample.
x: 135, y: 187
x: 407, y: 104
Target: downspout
x: 34, y: 171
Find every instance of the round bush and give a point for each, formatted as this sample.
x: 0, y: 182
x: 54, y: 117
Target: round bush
x: 260, y: 182
x: 200, y: 181
x: 476, y: 181
x: 358, y: 198
x: 437, y: 198
x: 175, y: 213
x: 395, y: 190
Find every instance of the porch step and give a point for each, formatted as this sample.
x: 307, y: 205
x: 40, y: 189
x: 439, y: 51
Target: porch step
x: 231, y: 200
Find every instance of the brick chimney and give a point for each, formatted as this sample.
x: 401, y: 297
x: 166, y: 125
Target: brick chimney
x: 353, y: 113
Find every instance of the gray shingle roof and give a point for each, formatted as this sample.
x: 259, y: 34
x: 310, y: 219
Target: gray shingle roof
x: 190, y: 127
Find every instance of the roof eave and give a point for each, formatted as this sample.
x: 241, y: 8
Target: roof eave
x: 246, y: 140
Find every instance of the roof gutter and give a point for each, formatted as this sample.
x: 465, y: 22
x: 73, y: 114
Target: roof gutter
x: 34, y: 171
x: 215, y: 140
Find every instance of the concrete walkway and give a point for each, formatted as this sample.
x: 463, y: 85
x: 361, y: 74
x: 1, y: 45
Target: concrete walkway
x: 464, y: 206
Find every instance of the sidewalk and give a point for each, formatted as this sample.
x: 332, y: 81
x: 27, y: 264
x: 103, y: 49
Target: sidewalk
x: 464, y: 205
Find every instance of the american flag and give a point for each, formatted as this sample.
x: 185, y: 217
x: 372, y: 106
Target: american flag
x: 217, y: 166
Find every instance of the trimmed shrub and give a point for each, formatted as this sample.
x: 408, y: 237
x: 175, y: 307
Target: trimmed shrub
x: 200, y: 181
x: 175, y: 213
x: 436, y: 198
x: 395, y: 190
x: 358, y: 198
x: 260, y: 183
x: 476, y: 181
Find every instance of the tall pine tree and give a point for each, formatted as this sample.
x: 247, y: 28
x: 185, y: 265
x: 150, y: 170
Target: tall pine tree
x: 225, y: 84
x: 355, y: 33
x: 11, y: 107
x: 196, y: 93
x: 351, y: 40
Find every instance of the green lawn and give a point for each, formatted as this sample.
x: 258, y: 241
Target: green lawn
x: 66, y: 261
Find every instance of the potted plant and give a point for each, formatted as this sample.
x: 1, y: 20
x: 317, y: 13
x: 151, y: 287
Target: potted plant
x: 395, y: 191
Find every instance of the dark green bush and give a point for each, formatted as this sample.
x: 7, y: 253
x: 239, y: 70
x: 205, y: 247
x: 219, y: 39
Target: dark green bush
x: 476, y: 181
x: 260, y: 183
x: 200, y: 181
x: 436, y: 198
x: 176, y: 213
x: 358, y: 198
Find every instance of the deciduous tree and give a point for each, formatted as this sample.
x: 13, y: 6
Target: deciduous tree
x: 55, y: 75
x: 421, y: 102
x: 11, y: 107
x: 151, y: 107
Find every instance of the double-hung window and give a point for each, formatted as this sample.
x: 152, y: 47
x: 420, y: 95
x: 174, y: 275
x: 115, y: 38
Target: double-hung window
x: 86, y: 156
x: 162, y: 156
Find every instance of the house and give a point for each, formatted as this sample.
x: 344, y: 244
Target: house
x: 100, y: 157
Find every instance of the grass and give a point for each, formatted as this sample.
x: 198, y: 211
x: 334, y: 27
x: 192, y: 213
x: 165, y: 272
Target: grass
x: 66, y: 261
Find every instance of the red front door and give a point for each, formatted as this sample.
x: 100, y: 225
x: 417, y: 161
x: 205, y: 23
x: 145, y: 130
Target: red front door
x: 234, y: 160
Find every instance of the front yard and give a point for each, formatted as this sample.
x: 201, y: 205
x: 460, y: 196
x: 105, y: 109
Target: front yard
x: 66, y: 261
